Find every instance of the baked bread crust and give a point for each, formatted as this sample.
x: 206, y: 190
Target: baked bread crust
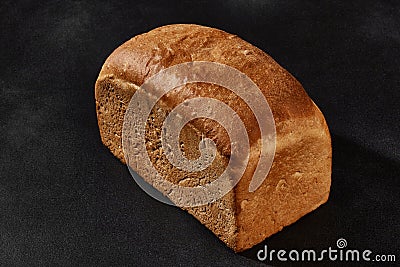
x: 299, y: 179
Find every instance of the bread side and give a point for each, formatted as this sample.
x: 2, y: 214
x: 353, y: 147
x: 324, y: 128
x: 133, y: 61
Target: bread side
x: 299, y: 179
x: 112, y: 98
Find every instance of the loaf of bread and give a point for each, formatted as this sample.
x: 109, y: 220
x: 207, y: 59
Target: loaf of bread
x: 300, y: 176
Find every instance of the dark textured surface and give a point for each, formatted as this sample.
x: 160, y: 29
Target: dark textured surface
x: 65, y: 200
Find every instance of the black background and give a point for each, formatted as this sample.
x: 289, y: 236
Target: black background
x: 65, y: 200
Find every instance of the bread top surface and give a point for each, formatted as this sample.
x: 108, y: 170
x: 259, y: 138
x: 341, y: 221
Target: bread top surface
x: 146, y: 54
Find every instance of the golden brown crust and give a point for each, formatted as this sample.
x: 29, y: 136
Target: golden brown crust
x: 146, y: 54
x: 299, y: 179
